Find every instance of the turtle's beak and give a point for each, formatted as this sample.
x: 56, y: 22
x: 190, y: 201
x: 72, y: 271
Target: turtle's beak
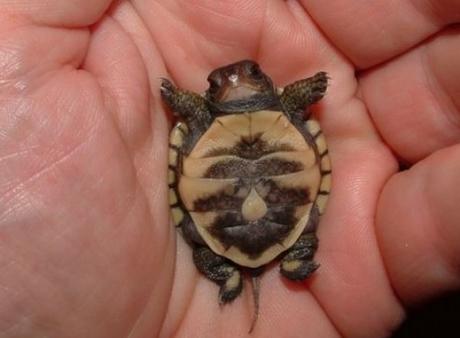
x: 237, y: 89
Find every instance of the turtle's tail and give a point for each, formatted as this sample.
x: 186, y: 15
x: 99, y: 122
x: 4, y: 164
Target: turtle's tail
x: 255, y: 283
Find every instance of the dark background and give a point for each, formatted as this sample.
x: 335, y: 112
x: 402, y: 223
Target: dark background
x: 437, y: 319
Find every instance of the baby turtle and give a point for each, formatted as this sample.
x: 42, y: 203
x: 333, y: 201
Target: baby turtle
x: 249, y: 174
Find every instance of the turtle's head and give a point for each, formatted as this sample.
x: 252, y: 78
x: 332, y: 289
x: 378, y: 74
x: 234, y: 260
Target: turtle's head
x: 239, y: 81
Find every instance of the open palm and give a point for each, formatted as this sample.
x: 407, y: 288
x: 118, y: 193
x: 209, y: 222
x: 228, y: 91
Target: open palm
x: 86, y: 246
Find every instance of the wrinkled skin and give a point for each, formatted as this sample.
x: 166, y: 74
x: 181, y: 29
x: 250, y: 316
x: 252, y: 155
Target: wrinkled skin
x: 86, y: 248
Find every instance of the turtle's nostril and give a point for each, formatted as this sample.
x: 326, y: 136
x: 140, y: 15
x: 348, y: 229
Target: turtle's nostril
x: 254, y: 207
x: 233, y: 78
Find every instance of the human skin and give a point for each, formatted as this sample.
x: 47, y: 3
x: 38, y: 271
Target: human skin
x: 86, y: 244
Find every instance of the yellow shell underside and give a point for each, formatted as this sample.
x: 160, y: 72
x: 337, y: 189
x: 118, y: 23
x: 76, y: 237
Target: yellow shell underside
x: 274, y: 129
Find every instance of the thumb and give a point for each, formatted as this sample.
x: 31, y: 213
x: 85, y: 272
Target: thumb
x: 418, y: 227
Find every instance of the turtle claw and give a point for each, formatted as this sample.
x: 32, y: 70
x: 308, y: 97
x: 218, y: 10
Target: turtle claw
x: 166, y: 85
x: 231, y: 288
x: 167, y: 90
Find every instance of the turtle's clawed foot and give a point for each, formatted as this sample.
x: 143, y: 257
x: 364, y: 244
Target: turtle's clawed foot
x: 297, y: 264
x: 231, y: 287
x: 298, y: 269
x: 221, y: 271
x: 167, y: 89
x: 170, y: 93
x: 300, y: 94
x: 190, y: 107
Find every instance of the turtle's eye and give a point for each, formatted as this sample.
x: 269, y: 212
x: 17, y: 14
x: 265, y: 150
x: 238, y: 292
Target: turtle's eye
x: 255, y: 72
x: 213, y: 86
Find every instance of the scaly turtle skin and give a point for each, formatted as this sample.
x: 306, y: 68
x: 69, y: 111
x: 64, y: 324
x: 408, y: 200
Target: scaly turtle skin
x: 249, y: 173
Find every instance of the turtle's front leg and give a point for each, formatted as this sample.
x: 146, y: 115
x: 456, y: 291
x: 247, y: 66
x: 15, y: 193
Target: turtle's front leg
x: 189, y: 106
x: 300, y: 94
x: 221, y: 271
x: 298, y: 263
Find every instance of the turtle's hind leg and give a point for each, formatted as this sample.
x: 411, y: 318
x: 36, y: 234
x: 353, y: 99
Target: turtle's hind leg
x: 298, y: 262
x: 221, y: 271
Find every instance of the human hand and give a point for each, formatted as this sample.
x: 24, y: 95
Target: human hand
x: 86, y: 246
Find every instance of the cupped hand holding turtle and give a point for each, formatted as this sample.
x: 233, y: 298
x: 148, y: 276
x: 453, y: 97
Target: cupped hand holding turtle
x: 86, y: 246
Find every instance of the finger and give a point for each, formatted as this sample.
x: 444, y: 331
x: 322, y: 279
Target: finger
x: 208, y: 34
x: 127, y: 66
x: 205, y: 34
x: 417, y: 227
x: 414, y: 100
x: 115, y: 62
x: 30, y: 48
x: 67, y: 175
x: 369, y: 32
x: 63, y: 13
x: 280, y: 27
x: 352, y: 278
